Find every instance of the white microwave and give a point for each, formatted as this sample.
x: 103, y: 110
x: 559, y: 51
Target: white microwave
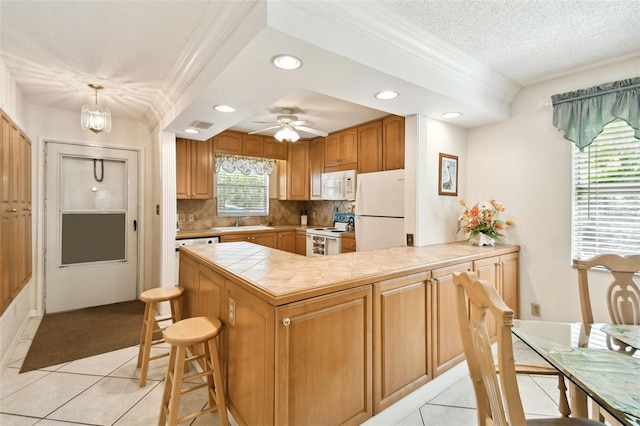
x: 339, y: 185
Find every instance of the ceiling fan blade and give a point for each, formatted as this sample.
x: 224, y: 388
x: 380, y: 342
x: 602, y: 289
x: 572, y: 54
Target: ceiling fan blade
x: 302, y: 123
x: 262, y: 130
x: 266, y: 122
x: 312, y: 131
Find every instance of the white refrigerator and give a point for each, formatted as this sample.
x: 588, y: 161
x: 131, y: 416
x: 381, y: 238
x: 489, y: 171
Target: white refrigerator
x: 379, y: 219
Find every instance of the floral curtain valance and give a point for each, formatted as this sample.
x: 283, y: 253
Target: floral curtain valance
x: 583, y: 114
x: 245, y: 165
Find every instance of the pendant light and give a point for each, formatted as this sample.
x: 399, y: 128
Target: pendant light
x: 95, y: 118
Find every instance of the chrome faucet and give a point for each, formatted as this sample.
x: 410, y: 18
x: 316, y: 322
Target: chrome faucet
x: 238, y: 219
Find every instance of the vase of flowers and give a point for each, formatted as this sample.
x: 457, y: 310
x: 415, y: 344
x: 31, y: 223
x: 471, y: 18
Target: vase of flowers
x: 481, y: 222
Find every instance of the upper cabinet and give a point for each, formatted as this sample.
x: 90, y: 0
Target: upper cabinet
x: 393, y: 143
x: 341, y: 150
x: 370, y: 147
x: 316, y: 167
x: 252, y: 145
x: 228, y: 142
x: 293, y: 182
x: 194, y: 169
x: 275, y: 149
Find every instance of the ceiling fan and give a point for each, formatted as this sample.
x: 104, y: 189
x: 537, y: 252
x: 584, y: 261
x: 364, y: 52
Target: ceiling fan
x: 288, y: 123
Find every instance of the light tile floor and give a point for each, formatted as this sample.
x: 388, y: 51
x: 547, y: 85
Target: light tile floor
x: 103, y: 390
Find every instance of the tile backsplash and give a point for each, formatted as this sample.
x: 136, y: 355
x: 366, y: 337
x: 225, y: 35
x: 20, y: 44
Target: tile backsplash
x: 320, y: 213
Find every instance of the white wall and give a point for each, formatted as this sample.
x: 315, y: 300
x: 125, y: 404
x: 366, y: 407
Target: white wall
x: 525, y: 163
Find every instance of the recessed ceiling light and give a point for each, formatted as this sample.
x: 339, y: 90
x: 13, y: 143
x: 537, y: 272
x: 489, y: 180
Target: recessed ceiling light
x: 189, y: 130
x: 385, y: 95
x: 451, y: 115
x: 286, y: 62
x: 224, y: 108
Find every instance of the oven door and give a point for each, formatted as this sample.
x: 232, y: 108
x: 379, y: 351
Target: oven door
x: 320, y: 245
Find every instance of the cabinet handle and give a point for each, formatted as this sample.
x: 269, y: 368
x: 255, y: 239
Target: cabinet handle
x: 286, y: 321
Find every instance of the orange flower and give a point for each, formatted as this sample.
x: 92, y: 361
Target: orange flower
x: 499, y: 227
x: 475, y: 211
x: 499, y: 207
x: 463, y: 203
x: 510, y: 223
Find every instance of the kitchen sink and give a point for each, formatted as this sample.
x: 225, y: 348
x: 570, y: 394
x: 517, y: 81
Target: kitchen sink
x: 242, y: 228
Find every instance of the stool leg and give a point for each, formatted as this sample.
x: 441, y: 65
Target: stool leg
x: 221, y: 401
x: 176, y: 385
x: 168, y: 384
x: 149, y: 321
x: 143, y: 334
x: 176, y: 315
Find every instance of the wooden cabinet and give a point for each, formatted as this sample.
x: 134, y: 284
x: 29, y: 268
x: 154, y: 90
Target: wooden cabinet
x: 275, y: 149
x: 370, y: 147
x: 293, y: 175
x: 287, y: 241
x: 341, y: 150
x: 16, y: 217
x: 316, y: 167
x: 401, y: 352
x: 252, y: 145
x: 348, y: 242
x: 446, y: 345
x: 393, y: 142
x: 228, y: 142
x: 301, y: 243
x: 268, y: 239
x: 503, y: 272
x: 194, y: 169
x: 324, y: 360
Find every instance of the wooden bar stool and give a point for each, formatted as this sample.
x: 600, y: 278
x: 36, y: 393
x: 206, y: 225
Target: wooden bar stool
x: 181, y: 335
x: 152, y: 298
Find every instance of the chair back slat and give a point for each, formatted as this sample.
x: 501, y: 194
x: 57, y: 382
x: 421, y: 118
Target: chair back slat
x: 623, y: 294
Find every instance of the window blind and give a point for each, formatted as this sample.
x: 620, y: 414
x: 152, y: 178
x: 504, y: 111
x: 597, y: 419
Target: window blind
x: 606, y: 194
x: 242, y: 195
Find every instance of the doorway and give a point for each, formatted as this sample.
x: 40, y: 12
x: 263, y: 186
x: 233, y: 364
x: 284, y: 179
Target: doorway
x: 91, y: 226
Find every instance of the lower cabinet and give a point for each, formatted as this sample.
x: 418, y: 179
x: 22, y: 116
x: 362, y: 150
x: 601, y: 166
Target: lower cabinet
x: 301, y: 243
x: 324, y: 360
x: 287, y: 241
x: 268, y: 239
x: 401, y: 354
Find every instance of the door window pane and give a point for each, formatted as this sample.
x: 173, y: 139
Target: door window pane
x: 93, y: 237
x: 92, y: 184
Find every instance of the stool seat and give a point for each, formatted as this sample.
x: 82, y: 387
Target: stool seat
x: 161, y: 294
x: 193, y: 339
x: 192, y: 330
x: 150, y: 324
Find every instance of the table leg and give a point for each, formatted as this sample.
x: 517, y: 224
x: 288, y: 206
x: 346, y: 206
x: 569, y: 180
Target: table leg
x: 579, y: 406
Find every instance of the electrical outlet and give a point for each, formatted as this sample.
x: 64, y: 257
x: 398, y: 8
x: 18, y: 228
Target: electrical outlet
x: 190, y: 217
x: 535, y: 309
x: 410, y: 240
x: 232, y: 312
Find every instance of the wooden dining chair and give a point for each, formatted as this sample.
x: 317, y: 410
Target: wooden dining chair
x: 498, y: 401
x: 623, y: 303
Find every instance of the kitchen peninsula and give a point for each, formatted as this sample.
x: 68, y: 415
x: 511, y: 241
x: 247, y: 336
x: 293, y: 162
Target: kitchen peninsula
x: 334, y: 339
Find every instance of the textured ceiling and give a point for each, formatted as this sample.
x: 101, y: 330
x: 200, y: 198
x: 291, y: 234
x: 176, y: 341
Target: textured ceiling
x: 150, y: 54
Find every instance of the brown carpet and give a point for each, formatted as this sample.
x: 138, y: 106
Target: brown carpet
x: 67, y: 336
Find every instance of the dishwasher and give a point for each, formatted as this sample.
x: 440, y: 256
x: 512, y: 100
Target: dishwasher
x: 190, y: 242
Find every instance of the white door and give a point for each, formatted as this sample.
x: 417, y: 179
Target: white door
x: 91, y: 239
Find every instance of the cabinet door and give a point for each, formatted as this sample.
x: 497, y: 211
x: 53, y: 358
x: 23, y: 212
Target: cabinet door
x: 249, y: 337
x: 301, y: 243
x: 349, y: 147
x: 509, y: 265
x: 393, y: 142
x: 268, y: 239
x: 332, y: 152
x: 324, y: 360
x: 202, y: 169
x: 370, y: 147
x: 488, y: 269
x: 348, y: 243
x: 252, y: 145
x: 228, y: 143
x: 210, y: 293
x: 230, y: 238
x: 401, y: 349
x: 316, y: 167
x: 287, y: 241
x: 275, y: 149
x: 183, y: 169
x: 298, y: 171
x: 445, y: 336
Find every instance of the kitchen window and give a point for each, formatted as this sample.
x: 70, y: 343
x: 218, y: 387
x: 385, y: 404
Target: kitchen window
x: 242, y: 185
x: 606, y: 194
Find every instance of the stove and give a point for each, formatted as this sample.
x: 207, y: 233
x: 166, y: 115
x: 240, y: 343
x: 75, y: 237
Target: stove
x: 326, y: 241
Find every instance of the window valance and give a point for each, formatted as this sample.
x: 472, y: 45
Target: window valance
x: 245, y: 165
x: 582, y: 114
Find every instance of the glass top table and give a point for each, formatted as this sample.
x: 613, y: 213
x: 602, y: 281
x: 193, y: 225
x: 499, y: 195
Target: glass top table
x: 602, y: 360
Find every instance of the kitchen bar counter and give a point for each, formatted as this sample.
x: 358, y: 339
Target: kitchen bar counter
x: 279, y: 277
x: 334, y: 339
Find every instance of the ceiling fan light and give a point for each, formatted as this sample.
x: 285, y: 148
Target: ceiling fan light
x: 279, y: 136
x: 286, y: 62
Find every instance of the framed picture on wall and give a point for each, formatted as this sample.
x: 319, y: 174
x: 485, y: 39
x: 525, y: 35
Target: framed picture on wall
x: 448, y: 175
